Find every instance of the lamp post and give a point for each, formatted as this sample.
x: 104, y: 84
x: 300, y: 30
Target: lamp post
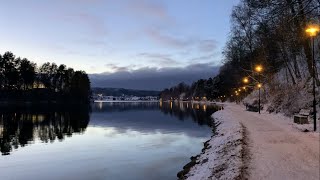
x: 259, y: 69
x: 312, y: 31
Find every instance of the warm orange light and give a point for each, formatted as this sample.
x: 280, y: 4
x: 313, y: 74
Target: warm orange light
x: 244, y: 88
x: 239, y: 90
x: 259, y: 68
x: 259, y: 85
x: 245, y: 80
x: 312, y: 30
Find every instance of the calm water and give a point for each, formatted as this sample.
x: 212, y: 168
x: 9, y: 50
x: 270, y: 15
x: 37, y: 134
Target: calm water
x: 110, y: 141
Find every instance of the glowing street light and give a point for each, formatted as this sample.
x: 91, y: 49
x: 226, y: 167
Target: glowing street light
x: 312, y: 31
x: 245, y: 80
x: 259, y: 69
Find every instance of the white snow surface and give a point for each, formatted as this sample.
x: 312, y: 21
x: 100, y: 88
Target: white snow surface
x: 277, y: 148
x: 222, y: 160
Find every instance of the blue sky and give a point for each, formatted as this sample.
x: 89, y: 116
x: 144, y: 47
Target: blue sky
x: 110, y: 36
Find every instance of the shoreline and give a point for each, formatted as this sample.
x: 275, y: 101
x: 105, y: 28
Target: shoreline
x: 222, y: 156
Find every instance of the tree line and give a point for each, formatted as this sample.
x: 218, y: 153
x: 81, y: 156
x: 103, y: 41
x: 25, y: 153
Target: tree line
x: 271, y: 33
x: 201, y: 89
x: 23, y: 80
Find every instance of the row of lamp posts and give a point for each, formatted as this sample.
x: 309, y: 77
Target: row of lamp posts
x: 312, y: 31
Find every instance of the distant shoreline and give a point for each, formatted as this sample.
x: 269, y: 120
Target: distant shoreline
x: 99, y: 101
x: 142, y: 101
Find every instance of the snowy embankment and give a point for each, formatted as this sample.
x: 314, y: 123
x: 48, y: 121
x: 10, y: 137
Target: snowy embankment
x: 248, y: 145
x: 222, y: 156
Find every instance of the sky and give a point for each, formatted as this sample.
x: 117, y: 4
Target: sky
x: 118, y: 40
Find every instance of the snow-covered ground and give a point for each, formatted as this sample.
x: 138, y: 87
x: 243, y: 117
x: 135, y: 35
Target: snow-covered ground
x: 223, y: 157
x: 277, y: 148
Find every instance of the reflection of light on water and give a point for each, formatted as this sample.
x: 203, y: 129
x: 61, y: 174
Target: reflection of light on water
x: 192, y: 105
x: 197, y: 106
x: 38, y: 118
x: 100, y: 105
x: 204, y: 107
x: 160, y: 104
x: 1, y: 131
x: 170, y: 104
x: 181, y: 106
x: 187, y: 105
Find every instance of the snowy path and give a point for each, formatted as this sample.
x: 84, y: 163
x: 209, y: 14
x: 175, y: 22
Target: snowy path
x: 276, y: 149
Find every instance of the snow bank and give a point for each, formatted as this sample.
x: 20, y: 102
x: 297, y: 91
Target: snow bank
x: 222, y: 156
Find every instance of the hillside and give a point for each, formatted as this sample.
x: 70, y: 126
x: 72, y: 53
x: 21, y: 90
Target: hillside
x: 122, y: 91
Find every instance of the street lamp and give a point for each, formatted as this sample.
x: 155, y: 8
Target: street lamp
x: 259, y: 70
x: 245, y: 80
x: 313, y: 31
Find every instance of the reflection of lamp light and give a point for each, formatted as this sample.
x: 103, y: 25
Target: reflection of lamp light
x: 204, y: 107
x: 160, y: 104
x: 170, y: 104
x: 1, y: 131
x: 100, y: 105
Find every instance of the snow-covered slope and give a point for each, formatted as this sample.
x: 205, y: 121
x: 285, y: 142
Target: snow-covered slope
x: 222, y: 159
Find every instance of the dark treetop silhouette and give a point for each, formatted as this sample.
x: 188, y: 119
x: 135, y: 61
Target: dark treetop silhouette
x: 22, y: 81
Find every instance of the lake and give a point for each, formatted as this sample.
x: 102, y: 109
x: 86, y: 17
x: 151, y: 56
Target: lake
x: 121, y: 141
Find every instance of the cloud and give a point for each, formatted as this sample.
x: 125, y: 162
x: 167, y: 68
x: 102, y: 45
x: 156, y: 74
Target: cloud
x: 160, y: 59
x: 201, y: 45
x: 208, y: 45
x: 92, y: 24
x: 205, y: 57
x: 149, y: 9
x: 167, y: 40
x: 153, y: 78
x: 116, y: 68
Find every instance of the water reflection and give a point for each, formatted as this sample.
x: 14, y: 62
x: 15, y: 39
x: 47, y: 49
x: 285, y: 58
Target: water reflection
x: 121, y: 141
x: 19, y: 128
x: 181, y: 110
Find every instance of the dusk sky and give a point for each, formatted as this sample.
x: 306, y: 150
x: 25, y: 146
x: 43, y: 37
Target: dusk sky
x: 109, y: 37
